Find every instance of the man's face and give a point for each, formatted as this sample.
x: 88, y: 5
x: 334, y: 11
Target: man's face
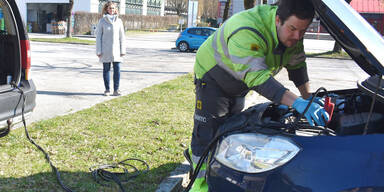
x: 292, y: 30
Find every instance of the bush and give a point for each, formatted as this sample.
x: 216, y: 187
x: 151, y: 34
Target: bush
x: 84, y: 21
x: 203, y: 24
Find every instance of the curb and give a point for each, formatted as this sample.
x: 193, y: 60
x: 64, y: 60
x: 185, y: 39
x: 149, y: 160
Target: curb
x: 173, y: 183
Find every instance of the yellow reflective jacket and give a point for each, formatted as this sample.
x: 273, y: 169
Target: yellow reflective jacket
x: 245, y: 47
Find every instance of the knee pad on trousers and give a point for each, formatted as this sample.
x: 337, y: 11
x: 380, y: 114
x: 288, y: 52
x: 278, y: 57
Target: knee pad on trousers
x: 203, y: 133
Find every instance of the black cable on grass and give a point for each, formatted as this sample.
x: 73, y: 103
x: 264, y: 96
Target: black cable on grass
x: 54, y: 169
x: 99, y: 172
x: 105, y: 172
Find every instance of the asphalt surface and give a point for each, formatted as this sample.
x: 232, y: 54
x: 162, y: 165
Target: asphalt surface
x: 71, y: 75
x: 68, y: 77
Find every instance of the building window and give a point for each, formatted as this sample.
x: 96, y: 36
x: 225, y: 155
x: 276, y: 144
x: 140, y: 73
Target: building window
x: 153, y: 7
x: 138, y: 2
x: 134, y: 7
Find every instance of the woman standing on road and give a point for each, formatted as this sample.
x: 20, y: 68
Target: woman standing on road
x: 110, y: 45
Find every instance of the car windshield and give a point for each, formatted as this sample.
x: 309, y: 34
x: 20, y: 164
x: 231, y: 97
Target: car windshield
x: 208, y: 32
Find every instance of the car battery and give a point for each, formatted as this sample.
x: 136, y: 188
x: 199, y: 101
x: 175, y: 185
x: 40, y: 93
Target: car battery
x: 354, y: 124
x: 356, y: 113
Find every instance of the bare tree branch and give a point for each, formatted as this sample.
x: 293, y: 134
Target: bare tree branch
x: 208, y: 8
x: 248, y: 4
x: 178, y: 6
x: 226, y: 10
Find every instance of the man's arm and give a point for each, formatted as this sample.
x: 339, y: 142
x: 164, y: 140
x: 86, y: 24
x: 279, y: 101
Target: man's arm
x: 276, y: 92
x: 288, y: 98
x: 300, y: 79
x: 304, y: 90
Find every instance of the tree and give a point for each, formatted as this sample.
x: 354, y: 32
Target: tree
x: 226, y: 10
x: 178, y: 6
x: 249, y: 4
x: 69, y: 20
x: 337, y: 46
x: 208, y: 10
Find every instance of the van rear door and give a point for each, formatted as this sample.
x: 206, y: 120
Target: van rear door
x: 10, y: 58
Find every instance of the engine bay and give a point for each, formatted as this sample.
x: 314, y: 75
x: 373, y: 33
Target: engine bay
x: 352, y: 115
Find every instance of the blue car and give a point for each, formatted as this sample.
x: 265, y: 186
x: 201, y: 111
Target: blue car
x: 272, y: 148
x: 191, y: 38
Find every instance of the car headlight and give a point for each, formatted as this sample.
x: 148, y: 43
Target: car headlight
x: 255, y: 153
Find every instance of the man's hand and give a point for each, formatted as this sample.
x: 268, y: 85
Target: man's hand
x: 317, y: 100
x: 315, y: 113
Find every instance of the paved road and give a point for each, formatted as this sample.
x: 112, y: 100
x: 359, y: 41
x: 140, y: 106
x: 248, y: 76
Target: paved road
x: 68, y: 77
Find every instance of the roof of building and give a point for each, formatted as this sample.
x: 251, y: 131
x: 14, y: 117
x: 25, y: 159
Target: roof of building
x: 368, y: 6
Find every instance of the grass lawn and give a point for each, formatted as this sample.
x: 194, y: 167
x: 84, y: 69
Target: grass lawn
x: 330, y: 54
x: 65, y: 40
x: 154, y: 125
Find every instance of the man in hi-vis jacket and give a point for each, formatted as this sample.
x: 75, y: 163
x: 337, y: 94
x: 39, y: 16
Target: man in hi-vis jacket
x: 244, y: 54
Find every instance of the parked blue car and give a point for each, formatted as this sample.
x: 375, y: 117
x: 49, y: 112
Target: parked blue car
x: 271, y: 148
x: 191, y: 38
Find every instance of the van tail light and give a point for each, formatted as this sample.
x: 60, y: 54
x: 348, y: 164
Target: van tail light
x: 25, y: 57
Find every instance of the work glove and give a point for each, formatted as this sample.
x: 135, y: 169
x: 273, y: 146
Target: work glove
x: 317, y: 100
x: 315, y: 113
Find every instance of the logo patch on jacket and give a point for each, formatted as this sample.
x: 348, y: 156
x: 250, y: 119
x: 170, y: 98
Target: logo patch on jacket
x: 199, y: 104
x: 254, y: 47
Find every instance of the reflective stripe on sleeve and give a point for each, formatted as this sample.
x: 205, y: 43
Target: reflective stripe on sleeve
x: 218, y: 56
x: 254, y: 63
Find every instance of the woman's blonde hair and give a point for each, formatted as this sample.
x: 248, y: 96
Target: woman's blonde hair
x: 108, y: 4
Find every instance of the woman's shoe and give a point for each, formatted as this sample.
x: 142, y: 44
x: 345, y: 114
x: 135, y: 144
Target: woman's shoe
x: 116, y: 93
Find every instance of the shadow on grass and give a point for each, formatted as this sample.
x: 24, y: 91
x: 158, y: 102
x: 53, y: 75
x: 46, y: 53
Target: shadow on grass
x: 84, y: 181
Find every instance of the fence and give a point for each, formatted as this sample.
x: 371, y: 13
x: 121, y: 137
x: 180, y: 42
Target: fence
x: 84, y: 22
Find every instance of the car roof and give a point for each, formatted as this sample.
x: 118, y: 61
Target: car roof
x: 358, y: 38
x: 201, y: 28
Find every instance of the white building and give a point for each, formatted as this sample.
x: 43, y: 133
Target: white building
x: 39, y: 14
x: 237, y: 6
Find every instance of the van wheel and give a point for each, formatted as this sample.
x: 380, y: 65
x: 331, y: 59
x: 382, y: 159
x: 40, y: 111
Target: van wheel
x: 183, y: 46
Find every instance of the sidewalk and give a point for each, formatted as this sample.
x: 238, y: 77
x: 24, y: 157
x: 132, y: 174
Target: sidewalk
x: 49, y: 35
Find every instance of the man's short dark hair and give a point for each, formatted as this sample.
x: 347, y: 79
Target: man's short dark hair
x: 302, y: 9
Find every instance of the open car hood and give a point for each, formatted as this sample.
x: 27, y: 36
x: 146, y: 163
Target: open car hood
x: 358, y: 38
